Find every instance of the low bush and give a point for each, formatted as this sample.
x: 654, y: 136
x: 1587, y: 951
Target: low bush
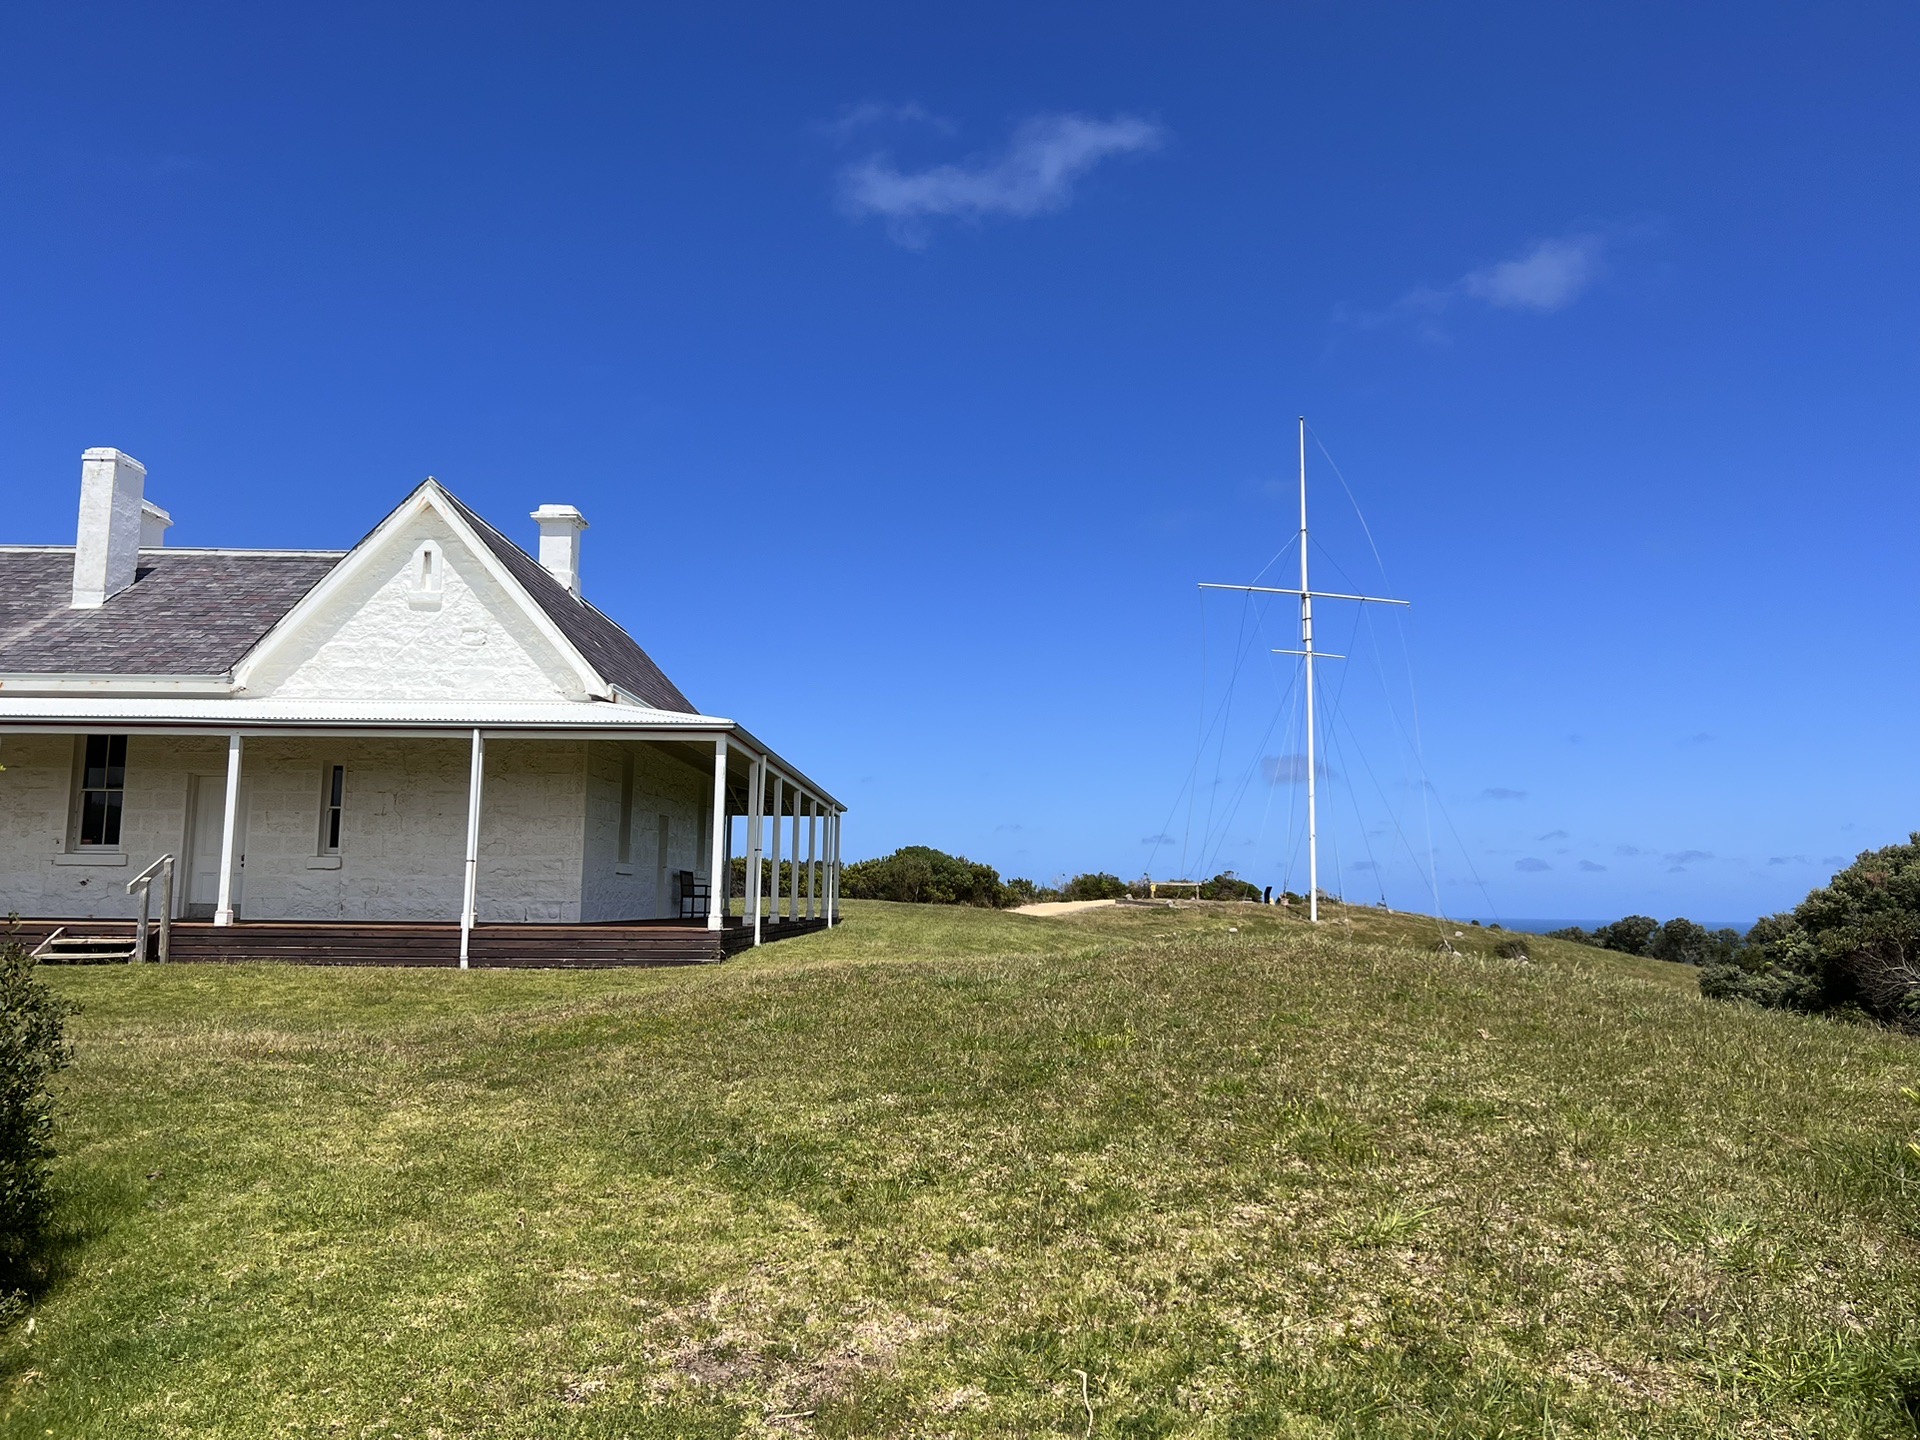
x: 1097, y: 886
x: 919, y: 874
x: 33, y: 1045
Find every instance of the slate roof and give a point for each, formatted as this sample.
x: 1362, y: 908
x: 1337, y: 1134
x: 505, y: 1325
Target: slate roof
x: 198, y: 612
x: 188, y: 612
x: 607, y: 647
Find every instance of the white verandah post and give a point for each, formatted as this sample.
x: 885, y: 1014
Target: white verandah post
x: 813, y: 825
x: 793, y: 886
x: 223, y: 912
x: 833, y: 867
x: 470, y: 886
x: 779, y: 798
x: 719, y: 882
x: 756, y: 810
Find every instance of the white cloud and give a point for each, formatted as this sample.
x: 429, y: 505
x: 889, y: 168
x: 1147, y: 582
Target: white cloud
x: 1549, y: 277
x: 853, y: 119
x: 1036, y: 173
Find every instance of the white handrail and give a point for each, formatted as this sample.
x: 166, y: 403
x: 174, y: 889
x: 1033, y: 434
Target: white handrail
x: 144, y: 880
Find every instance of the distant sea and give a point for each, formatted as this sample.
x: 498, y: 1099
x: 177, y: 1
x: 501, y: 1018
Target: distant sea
x: 1541, y: 927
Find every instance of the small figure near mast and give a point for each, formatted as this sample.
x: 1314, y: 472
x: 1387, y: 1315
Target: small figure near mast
x: 1308, y: 655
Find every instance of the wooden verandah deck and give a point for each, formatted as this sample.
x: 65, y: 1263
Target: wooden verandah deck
x: 427, y: 943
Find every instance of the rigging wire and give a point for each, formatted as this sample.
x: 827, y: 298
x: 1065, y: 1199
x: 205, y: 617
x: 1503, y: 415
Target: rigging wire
x: 1413, y: 696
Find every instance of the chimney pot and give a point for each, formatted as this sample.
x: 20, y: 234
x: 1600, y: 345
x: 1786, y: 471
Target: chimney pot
x: 560, y: 527
x: 106, y: 547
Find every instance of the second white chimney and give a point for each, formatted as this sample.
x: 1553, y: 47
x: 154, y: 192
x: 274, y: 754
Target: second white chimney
x: 560, y: 527
x: 106, y: 549
x: 154, y: 524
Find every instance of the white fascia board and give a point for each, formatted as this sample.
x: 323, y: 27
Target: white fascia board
x: 426, y: 497
x: 128, y: 685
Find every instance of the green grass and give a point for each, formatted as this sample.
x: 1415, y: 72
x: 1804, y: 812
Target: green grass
x: 922, y: 1175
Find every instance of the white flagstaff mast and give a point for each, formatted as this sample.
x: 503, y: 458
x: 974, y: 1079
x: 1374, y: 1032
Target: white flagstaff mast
x: 1307, y: 656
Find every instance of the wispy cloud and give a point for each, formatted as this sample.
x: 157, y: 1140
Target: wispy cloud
x: 1531, y: 864
x: 1156, y: 839
x: 1546, y: 277
x: 1592, y: 867
x: 1699, y: 737
x: 855, y: 120
x: 1627, y: 852
x: 1291, y: 769
x: 1686, y: 857
x: 1501, y: 792
x: 1787, y: 860
x: 1364, y: 865
x: 1046, y: 156
x: 1551, y: 835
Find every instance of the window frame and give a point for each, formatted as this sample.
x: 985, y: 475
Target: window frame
x: 333, y: 809
x: 114, y: 809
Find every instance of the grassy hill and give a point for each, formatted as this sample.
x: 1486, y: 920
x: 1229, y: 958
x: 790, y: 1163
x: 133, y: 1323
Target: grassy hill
x: 1133, y: 1172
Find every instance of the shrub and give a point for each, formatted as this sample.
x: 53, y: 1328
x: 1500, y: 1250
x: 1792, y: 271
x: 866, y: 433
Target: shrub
x: 33, y: 1045
x: 920, y: 874
x: 1020, y: 891
x: 1853, y: 943
x: 1098, y: 886
x: 1229, y: 886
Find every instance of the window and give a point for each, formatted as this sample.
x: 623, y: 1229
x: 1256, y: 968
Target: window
x: 103, y: 785
x: 332, y: 795
x: 626, y: 806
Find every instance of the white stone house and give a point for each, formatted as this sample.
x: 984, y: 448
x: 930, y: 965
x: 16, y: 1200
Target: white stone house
x: 433, y: 727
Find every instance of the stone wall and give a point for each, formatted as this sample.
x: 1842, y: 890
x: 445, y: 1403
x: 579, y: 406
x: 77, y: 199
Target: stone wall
x: 662, y: 787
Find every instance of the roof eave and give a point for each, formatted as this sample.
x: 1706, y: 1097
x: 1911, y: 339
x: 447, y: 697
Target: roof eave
x: 26, y: 683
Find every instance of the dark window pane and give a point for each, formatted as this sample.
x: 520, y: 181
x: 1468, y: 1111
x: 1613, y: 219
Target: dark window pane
x: 100, y: 817
x: 339, y: 783
x: 95, y: 777
x: 333, y: 830
x: 106, y: 767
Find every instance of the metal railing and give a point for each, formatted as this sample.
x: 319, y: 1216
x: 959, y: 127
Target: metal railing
x: 143, y: 882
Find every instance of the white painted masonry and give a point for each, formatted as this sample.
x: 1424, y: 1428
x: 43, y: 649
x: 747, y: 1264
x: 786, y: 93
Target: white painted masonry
x: 383, y: 635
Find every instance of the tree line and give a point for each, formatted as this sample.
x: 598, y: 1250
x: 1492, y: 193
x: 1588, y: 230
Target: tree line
x: 1852, y: 947
x: 919, y: 874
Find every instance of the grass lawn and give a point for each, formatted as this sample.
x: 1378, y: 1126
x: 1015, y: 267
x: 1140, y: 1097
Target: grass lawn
x: 960, y: 1173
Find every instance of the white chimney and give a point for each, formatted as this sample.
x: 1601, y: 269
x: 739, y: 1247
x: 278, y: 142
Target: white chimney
x: 106, y: 550
x: 560, y: 527
x: 154, y: 524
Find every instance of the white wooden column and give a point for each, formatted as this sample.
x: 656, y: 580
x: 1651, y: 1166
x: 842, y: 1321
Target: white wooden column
x: 833, y: 866
x: 793, y: 886
x: 719, y: 881
x: 779, y: 796
x: 469, y: 890
x: 756, y: 810
x: 813, y: 825
x: 230, y: 818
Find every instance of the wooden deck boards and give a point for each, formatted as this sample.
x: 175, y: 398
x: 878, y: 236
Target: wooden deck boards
x: 437, y: 944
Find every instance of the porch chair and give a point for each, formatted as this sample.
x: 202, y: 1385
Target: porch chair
x: 695, y: 899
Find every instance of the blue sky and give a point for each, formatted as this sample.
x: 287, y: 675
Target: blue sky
x: 912, y: 367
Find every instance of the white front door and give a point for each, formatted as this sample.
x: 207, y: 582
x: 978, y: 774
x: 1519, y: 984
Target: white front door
x: 206, y: 815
